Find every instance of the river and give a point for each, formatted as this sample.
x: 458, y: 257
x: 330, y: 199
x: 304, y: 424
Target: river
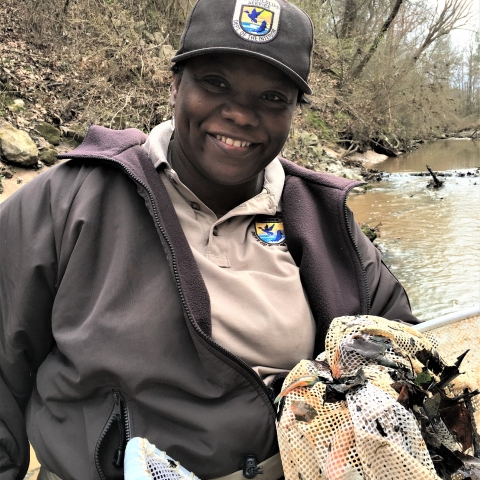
x: 430, y: 238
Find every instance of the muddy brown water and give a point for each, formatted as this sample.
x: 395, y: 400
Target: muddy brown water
x: 430, y: 238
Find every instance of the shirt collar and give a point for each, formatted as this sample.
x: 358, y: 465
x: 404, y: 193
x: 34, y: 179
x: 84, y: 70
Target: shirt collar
x: 157, y: 142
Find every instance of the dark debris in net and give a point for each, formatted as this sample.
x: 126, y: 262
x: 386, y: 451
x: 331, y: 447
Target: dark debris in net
x: 447, y: 423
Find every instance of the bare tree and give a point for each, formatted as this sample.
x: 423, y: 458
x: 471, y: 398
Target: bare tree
x: 454, y: 14
x: 472, y: 55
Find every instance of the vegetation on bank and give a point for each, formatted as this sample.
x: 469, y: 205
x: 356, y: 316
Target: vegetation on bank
x: 385, y: 72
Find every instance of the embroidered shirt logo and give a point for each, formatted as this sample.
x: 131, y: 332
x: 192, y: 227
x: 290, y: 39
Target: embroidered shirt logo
x: 256, y: 20
x: 269, y: 230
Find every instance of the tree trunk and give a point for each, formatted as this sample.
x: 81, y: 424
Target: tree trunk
x: 349, y: 17
x: 363, y: 63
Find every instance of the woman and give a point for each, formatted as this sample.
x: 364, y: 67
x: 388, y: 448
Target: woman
x: 172, y: 281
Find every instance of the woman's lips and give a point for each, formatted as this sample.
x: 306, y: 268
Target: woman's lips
x: 232, y: 141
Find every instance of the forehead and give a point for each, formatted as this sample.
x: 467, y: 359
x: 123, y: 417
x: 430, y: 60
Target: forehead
x: 241, y: 67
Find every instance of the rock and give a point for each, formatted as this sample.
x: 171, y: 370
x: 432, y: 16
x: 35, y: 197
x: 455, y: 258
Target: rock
x: 305, y: 149
x: 149, y: 36
x: 17, y: 146
x: 372, y: 175
x: 159, y: 37
x: 307, y: 139
x: 17, y: 105
x: 77, y: 133
x: 48, y: 155
x: 166, y: 52
x: 50, y: 133
x: 41, y: 142
x: 139, y: 25
x: 370, y: 232
x: 6, y: 171
x: 335, y: 167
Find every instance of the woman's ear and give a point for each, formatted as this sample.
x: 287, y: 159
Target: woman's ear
x: 173, y: 94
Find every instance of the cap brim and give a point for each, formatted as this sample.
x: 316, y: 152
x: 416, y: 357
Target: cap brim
x: 297, y: 80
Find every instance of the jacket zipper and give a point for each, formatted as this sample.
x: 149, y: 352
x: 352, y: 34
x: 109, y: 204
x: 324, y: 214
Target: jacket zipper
x: 123, y: 421
x: 121, y: 416
x: 253, y: 376
x: 364, y: 272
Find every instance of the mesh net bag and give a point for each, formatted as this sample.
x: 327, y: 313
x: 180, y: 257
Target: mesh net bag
x: 145, y: 462
x: 370, y: 407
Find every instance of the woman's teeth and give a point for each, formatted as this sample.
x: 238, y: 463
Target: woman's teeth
x: 232, y: 142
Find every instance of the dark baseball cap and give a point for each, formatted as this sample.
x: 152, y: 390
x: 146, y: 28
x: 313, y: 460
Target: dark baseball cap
x: 275, y: 31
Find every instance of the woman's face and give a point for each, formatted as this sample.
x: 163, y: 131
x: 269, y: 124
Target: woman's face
x: 232, y: 117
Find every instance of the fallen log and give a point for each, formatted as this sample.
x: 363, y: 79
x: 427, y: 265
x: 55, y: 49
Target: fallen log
x: 436, y: 183
x: 454, y: 173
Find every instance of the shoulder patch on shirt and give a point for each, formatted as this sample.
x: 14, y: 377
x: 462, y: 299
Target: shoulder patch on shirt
x: 269, y: 230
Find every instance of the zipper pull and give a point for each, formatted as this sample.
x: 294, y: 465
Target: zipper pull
x: 118, y: 457
x: 119, y: 454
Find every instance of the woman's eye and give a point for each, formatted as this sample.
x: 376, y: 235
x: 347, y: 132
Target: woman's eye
x: 216, y: 82
x: 273, y: 97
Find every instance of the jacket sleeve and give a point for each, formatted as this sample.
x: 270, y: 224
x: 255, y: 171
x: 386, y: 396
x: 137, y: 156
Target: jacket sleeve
x: 31, y: 223
x: 388, y: 298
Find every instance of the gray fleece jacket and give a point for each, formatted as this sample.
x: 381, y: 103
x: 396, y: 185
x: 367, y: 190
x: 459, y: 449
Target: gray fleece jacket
x: 105, y: 328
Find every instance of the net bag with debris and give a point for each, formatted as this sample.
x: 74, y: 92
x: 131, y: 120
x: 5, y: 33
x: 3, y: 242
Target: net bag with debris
x: 377, y: 404
x: 145, y: 462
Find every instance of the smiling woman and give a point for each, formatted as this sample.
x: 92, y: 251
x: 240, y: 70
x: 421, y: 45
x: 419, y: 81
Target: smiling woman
x: 177, y: 278
x: 232, y: 117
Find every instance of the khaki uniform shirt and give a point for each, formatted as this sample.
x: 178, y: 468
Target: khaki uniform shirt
x: 259, y: 309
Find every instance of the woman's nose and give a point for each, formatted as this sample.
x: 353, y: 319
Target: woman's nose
x: 241, y: 114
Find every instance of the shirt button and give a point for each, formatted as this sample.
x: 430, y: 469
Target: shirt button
x: 195, y: 206
x: 215, y: 231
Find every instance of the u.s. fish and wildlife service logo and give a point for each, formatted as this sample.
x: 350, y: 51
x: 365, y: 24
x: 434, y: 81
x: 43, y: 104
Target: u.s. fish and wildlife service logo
x: 256, y: 20
x: 269, y: 230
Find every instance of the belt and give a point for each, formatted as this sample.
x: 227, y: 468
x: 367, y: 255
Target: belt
x: 272, y: 470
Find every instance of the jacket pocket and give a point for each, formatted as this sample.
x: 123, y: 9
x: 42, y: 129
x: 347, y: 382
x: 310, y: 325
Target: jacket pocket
x: 110, y: 447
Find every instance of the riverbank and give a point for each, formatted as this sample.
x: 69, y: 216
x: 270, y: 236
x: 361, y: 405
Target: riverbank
x: 34, y: 153
x: 74, y: 79
x: 25, y: 154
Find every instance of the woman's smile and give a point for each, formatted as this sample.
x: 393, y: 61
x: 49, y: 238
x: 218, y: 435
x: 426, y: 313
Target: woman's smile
x: 232, y: 142
x: 233, y: 146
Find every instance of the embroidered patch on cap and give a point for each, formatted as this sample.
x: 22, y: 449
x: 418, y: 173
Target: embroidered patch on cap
x: 256, y: 20
x: 269, y: 230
